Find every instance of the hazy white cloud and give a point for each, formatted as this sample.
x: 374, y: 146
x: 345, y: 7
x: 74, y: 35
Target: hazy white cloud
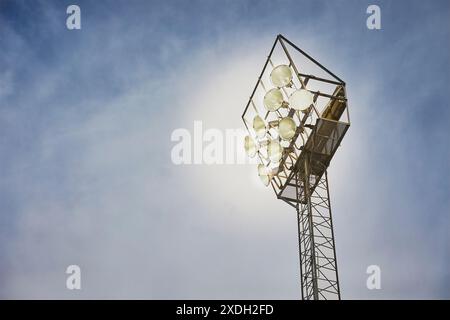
x: 99, y: 189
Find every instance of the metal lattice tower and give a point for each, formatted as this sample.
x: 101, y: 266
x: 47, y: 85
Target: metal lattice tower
x: 298, y: 173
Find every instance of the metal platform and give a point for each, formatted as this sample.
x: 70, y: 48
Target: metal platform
x: 318, y: 151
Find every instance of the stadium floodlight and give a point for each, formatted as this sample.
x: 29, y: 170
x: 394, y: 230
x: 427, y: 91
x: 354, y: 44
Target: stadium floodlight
x: 263, y: 173
x: 275, y: 151
x: 296, y: 117
x: 300, y: 99
x: 273, y: 99
x: 250, y: 146
x: 259, y: 126
x: 287, y: 128
x: 281, y: 76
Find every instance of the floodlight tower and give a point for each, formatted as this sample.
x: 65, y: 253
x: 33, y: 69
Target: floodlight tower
x: 296, y: 117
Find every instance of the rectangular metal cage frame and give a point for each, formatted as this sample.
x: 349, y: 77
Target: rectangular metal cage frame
x: 320, y: 129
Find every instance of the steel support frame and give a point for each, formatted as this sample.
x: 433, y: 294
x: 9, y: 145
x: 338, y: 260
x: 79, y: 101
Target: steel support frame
x: 318, y: 263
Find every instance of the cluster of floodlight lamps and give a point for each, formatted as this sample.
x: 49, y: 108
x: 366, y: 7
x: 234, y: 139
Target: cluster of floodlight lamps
x: 283, y: 110
x: 270, y: 140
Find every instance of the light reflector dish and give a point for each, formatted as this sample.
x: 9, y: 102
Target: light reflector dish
x: 281, y: 76
x: 259, y: 126
x: 250, y: 146
x: 287, y: 128
x: 301, y: 99
x: 263, y: 174
x: 274, y: 151
x: 273, y: 99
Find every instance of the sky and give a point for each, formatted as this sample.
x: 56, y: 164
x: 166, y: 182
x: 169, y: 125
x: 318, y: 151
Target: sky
x: 86, y: 118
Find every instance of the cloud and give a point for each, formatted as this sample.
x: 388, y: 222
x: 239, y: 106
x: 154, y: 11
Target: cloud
x: 90, y: 181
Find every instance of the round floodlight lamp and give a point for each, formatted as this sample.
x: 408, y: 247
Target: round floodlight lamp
x: 301, y: 99
x: 281, y: 76
x: 263, y: 174
x: 274, y: 151
x: 273, y: 99
x: 250, y: 146
x: 259, y: 126
x: 287, y: 128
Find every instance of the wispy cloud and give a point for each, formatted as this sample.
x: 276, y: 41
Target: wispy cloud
x: 87, y: 177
